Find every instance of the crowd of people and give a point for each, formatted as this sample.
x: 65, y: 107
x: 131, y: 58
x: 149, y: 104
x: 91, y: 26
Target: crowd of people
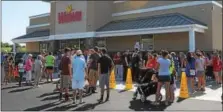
x: 78, y: 69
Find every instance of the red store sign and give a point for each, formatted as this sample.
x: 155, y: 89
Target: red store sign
x: 70, y: 15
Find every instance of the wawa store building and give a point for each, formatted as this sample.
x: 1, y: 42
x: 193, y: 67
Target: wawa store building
x: 118, y: 25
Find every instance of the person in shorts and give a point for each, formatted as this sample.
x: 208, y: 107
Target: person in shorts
x: 65, y: 67
x: 163, y: 76
x: 50, y: 59
x: 105, y: 64
x: 78, y: 79
x: 200, y: 71
x: 93, y: 74
x: 217, y: 67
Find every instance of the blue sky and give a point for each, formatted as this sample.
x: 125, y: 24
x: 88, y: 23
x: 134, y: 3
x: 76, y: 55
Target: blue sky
x: 15, y: 16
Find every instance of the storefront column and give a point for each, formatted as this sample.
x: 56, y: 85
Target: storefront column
x: 192, y: 40
x: 52, y: 46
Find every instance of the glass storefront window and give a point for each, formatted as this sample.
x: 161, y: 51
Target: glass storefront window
x: 44, y: 46
x: 100, y: 42
x: 69, y: 43
x: 147, y: 42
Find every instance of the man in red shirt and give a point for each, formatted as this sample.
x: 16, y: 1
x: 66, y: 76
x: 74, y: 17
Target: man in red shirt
x: 65, y: 67
x: 118, y: 67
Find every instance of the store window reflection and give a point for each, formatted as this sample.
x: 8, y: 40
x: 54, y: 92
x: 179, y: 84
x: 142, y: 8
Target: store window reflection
x: 69, y: 43
x: 44, y: 46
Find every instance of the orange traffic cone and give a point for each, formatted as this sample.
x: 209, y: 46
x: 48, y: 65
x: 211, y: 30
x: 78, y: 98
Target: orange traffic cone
x: 112, y: 82
x: 128, y: 84
x: 183, y: 86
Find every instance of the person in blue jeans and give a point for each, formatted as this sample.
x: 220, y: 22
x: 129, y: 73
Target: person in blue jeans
x: 190, y: 70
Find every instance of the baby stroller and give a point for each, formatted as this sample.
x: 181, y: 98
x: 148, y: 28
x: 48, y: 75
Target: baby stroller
x: 145, y: 86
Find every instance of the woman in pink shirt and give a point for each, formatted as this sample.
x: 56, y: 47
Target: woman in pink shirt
x: 28, y: 69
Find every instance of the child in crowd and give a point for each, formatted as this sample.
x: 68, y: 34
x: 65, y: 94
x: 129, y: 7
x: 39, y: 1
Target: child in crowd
x: 21, y: 71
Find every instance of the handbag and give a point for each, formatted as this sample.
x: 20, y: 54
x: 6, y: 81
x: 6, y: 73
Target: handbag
x: 192, y: 71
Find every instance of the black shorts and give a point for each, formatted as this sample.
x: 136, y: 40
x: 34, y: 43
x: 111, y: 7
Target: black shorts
x: 49, y: 67
x: 166, y: 78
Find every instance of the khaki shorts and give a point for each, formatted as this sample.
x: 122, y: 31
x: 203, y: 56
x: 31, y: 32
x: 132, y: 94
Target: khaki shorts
x: 93, y: 75
x: 65, y: 81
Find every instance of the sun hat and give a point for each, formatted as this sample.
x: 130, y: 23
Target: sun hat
x: 79, y: 52
x: 30, y: 55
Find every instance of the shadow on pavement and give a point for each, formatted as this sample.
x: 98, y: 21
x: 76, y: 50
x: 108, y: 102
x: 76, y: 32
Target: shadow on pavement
x: 198, y: 93
x: 180, y: 99
x: 87, y: 107
x: 42, y: 107
x: 137, y: 105
x: 62, y: 108
x: 20, y: 90
x: 124, y: 90
x: 215, y: 86
x: 57, y: 96
x: 212, y: 85
x: 51, y: 98
x: 10, y: 87
x: 40, y: 83
x: 47, y: 94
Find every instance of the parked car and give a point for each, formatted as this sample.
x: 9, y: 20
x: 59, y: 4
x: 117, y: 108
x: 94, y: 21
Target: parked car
x: 20, y: 55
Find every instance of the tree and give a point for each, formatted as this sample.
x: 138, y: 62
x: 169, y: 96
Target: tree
x: 17, y: 45
x: 5, y: 44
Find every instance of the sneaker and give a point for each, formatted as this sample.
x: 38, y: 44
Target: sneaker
x: 93, y: 91
x: 101, y: 99
x: 107, y: 98
x: 81, y: 101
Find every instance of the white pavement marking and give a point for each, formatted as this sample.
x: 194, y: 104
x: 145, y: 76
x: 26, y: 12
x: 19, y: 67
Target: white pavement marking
x: 209, y: 94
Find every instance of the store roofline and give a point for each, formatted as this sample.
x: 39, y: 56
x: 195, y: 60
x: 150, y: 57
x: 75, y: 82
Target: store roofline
x: 166, y: 7
x: 39, y: 16
x: 159, y: 30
